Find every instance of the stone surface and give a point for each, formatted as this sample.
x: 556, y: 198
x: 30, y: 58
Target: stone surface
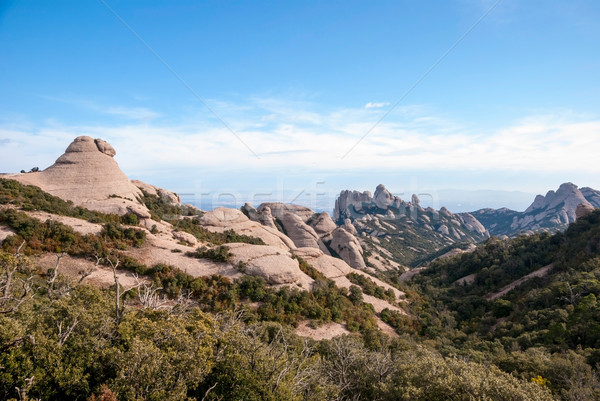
x: 323, y: 224
x: 172, y: 197
x: 271, y: 263
x: 222, y: 219
x: 349, y: 202
x: 382, y: 197
x: 185, y: 237
x: 347, y: 246
x: 278, y: 210
x: 264, y: 217
x: 583, y: 210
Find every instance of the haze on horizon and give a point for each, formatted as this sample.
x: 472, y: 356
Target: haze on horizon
x: 309, y: 98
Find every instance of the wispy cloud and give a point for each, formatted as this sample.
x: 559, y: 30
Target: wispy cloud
x: 295, y: 136
x: 131, y: 113
x: 376, y: 105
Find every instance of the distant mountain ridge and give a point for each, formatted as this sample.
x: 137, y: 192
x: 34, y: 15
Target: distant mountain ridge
x: 552, y: 212
x: 404, y: 232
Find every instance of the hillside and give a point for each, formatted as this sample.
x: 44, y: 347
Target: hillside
x: 528, y: 304
x: 140, y: 297
x: 149, y: 227
x: 127, y: 294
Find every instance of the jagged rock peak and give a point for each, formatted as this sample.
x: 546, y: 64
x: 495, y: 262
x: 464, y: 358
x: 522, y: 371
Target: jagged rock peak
x: 88, y: 144
x: 383, y: 198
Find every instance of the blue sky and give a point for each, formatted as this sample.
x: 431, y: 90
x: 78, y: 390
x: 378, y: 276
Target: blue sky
x: 514, y: 104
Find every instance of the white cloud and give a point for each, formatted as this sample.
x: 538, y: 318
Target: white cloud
x: 303, y: 137
x: 376, y: 105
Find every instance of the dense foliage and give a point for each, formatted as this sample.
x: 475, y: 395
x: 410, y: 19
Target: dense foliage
x: 52, y: 236
x: 73, y: 347
x: 369, y: 287
x: 192, y: 226
x: 30, y: 197
x: 547, y: 326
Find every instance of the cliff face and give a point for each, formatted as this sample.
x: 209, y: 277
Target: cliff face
x: 405, y: 230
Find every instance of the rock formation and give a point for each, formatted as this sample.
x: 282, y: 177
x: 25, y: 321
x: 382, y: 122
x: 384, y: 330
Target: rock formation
x: 170, y: 196
x: 347, y: 246
x: 552, y: 212
x: 87, y: 175
x: 222, y: 219
x: 271, y: 263
x: 405, y: 229
x: 583, y: 210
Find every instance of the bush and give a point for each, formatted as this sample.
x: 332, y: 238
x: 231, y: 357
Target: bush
x: 217, y: 254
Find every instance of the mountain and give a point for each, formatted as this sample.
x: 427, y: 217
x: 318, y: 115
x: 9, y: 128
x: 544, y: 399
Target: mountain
x: 552, y: 212
x: 392, y: 229
x: 88, y: 196
x: 88, y: 175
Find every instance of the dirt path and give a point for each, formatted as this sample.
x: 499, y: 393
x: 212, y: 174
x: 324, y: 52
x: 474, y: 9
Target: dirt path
x: 492, y: 296
x: 324, y: 332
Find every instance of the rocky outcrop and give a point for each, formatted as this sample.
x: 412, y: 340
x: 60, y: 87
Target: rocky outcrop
x: 583, y: 210
x: 279, y: 210
x: 383, y: 198
x: 264, y: 217
x: 472, y: 224
x: 552, y: 212
x: 271, y: 263
x: 349, y: 204
x: 222, y: 219
x: 406, y: 230
x: 185, y: 237
x: 292, y: 220
x: 591, y: 195
x: 87, y: 175
x: 170, y: 196
x: 322, y: 224
x: 347, y: 246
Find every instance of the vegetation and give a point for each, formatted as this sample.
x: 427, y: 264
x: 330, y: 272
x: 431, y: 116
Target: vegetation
x: 192, y: 226
x: 370, y: 288
x: 180, y: 337
x: 547, y: 326
x: 72, y: 346
x: 30, y: 197
x: 161, y: 208
x: 51, y: 236
x: 216, y: 254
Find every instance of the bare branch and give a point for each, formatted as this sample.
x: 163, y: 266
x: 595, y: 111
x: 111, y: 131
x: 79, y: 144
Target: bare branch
x: 209, y: 390
x: 62, y: 337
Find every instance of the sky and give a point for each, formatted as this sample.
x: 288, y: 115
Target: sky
x: 471, y: 103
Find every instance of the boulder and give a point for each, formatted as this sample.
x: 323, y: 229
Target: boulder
x: 185, y: 237
x: 299, y: 232
x: 264, y: 217
x: 222, y: 219
x: 170, y: 196
x: 323, y: 224
x: 348, y: 226
x: 273, y: 264
x: 348, y: 248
